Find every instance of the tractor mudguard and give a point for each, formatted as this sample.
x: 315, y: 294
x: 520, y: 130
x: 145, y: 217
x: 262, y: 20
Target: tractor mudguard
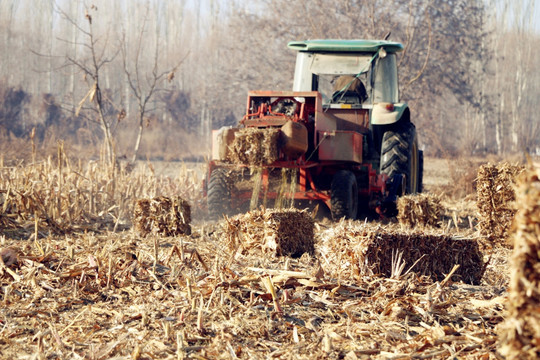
x: 387, y: 113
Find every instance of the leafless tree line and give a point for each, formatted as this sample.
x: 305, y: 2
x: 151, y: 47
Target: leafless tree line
x: 140, y: 75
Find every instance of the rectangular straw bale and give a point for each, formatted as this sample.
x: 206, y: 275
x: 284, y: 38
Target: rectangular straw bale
x: 142, y: 218
x: 520, y: 334
x: 419, y: 210
x: 495, y: 200
x: 162, y: 215
x: 436, y: 254
x: 359, y: 250
x: 277, y: 232
x: 252, y: 146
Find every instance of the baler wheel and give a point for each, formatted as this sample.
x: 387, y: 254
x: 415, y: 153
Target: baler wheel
x: 219, y: 194
x: 344, y: 195
x: 400, y: 155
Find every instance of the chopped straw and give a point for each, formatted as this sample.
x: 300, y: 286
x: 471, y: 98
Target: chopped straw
x: 86, y: 292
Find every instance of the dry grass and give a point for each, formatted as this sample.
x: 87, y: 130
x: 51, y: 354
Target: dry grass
x: 460, y: 177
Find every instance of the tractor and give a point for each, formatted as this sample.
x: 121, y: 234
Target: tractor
x: 341, y: 135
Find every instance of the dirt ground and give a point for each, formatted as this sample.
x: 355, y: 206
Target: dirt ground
x: 436, y: 172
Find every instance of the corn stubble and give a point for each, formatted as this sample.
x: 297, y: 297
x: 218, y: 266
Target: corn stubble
x: 269, y: 283
x: 62, y: 197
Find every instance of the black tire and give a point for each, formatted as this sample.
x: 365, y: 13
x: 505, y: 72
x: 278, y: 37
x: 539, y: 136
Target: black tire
x: 344, y: 195
x: 400, y: 155
x: 219, y: 194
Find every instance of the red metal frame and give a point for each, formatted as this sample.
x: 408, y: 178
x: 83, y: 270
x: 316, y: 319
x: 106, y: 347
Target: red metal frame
x: 376, y: 185
x: 263, y: 116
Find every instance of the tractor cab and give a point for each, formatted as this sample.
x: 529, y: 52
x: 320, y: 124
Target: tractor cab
x: 353, y: 74
x: 335, y: 67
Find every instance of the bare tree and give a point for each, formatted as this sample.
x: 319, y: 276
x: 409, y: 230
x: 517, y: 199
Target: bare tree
x: 92, y: 67
x: 474, y: 89
x: 144, y: 85
x: 523, y: 15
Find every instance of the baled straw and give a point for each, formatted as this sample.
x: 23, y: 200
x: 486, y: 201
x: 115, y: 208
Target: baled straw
x: 364, y: 249
x: 162, y: 215
x: 520, y: 334
x: 277, y: 232
x: 253, y: 146
x: 419, y: 210
x: 495, y: 200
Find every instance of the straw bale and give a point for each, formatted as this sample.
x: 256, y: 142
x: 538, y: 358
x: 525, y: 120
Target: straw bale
x: 419, y: 210
x: 162, y: 215
x: 520, y: 333
x: 369, y: 250
x: 252, y: 146
x: 277, y: 232
x: 495, y: 200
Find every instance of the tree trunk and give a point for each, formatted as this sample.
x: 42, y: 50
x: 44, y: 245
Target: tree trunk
x: 139, y: 135
x: 111, y: 157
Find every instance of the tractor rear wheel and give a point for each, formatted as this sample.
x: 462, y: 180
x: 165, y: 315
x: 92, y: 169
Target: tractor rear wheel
x: 344, y: 195
x: 219, y: 194
x: 400, y: 155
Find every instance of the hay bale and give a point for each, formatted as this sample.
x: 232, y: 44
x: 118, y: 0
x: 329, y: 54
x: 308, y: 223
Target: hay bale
x: 495, y: 200
x: 272, y: 231
x: 141, y: 217
x: 419, y: 210
x: 162, y: 215
x: 520, y: 334
x: 364, y: 249
x: 252, y: 146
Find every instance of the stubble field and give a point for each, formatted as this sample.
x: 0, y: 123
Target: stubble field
x: 80, y: 282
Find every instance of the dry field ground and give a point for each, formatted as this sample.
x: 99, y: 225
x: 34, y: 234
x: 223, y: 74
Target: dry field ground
x: 79, y: 281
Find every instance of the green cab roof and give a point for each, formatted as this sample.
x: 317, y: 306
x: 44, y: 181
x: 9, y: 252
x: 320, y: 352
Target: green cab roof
x: 345, y: 45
